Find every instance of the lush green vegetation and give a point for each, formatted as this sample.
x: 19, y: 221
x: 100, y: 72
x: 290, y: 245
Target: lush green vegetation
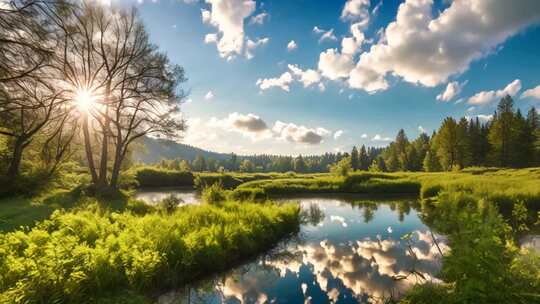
x: 484, y: 264
x: 146, y: 176
x: 90, y: 252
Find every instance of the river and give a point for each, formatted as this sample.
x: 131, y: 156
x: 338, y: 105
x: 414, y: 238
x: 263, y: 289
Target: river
x: 350, y: 249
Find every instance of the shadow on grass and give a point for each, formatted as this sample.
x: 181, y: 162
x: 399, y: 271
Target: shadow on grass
x: 21, y: 211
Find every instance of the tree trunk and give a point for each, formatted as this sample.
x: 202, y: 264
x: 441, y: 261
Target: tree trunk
x: 102, y: 179
x: 116, y: 166
x: 88, y: 150
x: 15, y: 163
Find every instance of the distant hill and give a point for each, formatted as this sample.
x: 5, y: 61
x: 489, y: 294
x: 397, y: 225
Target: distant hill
x: 158, y: 149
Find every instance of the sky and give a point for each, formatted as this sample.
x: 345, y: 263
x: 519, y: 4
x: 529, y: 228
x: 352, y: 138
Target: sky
x: 308, y: 77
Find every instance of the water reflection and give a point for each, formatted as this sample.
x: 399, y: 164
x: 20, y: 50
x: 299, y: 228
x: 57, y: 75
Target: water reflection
x: 155, y: 195
x: 348, y: 251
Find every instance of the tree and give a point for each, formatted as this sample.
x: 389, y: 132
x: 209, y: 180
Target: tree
x: 355, y: 162
x: 363, y: 159
x: 401, y: 145
x: 199, y: 163
x: 299, y: 164
x: 342, y: 168
x: 502, y: 132
x: 431, y: 162
x: 378, y: 165
x: 247, y: 166
x: 108, y: 57
x: 449, y: 143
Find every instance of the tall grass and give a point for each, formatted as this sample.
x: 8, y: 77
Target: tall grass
x: 158, y: 177
x: 78, y: 256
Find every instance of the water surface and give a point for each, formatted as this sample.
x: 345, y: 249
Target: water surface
x: 154, y: 195
x: 349, y: 250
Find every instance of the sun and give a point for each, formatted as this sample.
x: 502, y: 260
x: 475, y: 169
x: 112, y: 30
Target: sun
x: 85, y: 100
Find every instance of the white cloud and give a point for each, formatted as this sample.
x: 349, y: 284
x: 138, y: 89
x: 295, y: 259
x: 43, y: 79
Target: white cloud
x: 452, y: 90
x: 338, y: 134
x: 211, y: 38
x: 291, y: 46
x: 327, y: 35
x: 367, y: 79
x: 334, y: 65
x: 481, y: 117
x: 258, y: 19
x: 299, y: 134
x: 307, y: 77
x: 532, y: 93
x: 209, y: 95
x: 228, y: 16
x: 249, y: 125
x: 426, y: 50
x: 282, y: 82
x: 364, y: 136
x: 357, y: 10
x: 421, y: 129
x: 485, y: 97
x: 252, y: 45
x: 378, y: 137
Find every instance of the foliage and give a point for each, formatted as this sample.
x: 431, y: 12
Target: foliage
x: 213, y: 194
x: 342, y: 168
x: 78, y: 256
x: 155, y: 177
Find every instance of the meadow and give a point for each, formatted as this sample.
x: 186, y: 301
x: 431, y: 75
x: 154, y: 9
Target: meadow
x: 95, y: 254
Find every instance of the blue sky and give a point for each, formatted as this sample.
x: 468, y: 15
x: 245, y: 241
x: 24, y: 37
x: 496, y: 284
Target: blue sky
x: 384, y: 66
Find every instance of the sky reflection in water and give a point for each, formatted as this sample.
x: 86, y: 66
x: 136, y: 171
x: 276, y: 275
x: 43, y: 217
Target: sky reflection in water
x: 348, y: 251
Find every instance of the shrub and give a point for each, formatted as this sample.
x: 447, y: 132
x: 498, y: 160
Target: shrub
x: 77, y: 257
x: 155, y: 177
x: 213, y: 194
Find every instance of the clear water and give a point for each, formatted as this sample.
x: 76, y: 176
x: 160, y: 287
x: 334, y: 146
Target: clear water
x: 349, y: 250
x: 155, y: 195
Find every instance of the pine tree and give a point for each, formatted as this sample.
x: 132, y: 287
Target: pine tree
x: 355, y: 165
x: 363, y: 158
x: 431, y: 162
x: 502, y: 133
x: 299, y: 164
x: 447, y: 143
x: 533, y: 123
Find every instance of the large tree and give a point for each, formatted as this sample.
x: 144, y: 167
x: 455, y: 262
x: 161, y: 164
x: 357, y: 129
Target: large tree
x: 502, y: 133
x: 132, y: 86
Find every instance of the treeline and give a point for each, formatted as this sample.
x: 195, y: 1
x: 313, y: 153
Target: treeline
x: 268, y: 163
x: 510, y: 139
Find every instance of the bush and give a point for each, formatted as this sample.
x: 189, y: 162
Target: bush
x: 155, y: 177
x: 77, y: 257
x: 213, y: 194
x: 226, y: 181
x: 249, y: 194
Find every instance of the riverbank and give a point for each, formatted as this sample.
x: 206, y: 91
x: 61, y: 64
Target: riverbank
x: 92, y: 253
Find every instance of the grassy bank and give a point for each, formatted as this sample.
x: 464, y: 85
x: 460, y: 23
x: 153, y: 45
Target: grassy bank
x: 361, y: 182
x: 81, y: 255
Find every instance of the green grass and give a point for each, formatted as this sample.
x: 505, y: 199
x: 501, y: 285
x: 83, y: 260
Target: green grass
x: 90, y: 252
x: 359, y: 182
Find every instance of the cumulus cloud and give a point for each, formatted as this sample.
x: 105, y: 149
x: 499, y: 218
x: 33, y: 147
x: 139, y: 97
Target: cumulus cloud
x: 357, y: 10
x: 364, y: 136
x: 258, y: 19
x: 299, y: 134
x: 307, y: 77
x: 249, y: 125
x: 228, y: 16
x: 326, y: 35
x: 532, y: 93
x: 291, y: 46
x: 378, y: 137
x: 211, y: 38
x: 284, y: 81
x: 338, y: 134
x: 334, y: 65
x: 485, y: 97
x: 422, y: 49
x: 209, y: 95
x: 252, y: 45
x: 452, y: 90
